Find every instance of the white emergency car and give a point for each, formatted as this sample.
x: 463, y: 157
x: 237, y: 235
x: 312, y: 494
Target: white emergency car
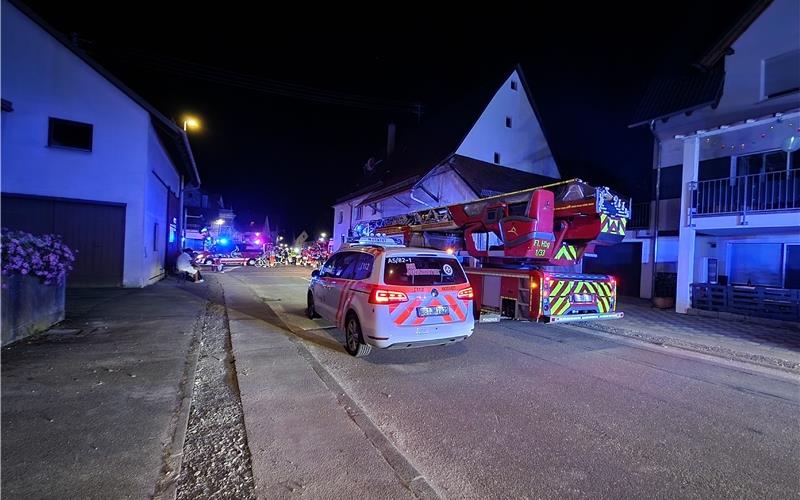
x: 392, y: 297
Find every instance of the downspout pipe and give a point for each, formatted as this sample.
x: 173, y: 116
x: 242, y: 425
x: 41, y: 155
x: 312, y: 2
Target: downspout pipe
x: 182, y: 218
x: 657, y: 165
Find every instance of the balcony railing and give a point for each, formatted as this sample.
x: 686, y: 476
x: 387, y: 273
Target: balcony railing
x: 640, y: 216
x: 748, y: 193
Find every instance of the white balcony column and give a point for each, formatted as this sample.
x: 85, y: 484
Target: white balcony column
x: 686, y: 232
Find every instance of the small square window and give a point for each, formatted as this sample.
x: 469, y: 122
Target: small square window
x: 70, y: 134
x: 508, y: 122
x: 497, y: 158
x: 513, y: 85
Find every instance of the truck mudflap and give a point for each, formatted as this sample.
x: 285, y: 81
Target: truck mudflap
x: 585, y: 317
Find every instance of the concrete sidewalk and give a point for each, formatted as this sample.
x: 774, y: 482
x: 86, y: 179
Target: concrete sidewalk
x: 305, y: 437
x: 748, y: 341
x: 90, y: 408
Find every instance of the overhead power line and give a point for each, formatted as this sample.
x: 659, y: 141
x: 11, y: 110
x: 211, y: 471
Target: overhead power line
x: 222, y: 76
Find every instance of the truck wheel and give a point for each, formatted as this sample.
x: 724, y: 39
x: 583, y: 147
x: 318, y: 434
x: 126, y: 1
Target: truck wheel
x: 311, y: 311
x: 251, y: 262
x: 208, y: 262
x: 354, y: 341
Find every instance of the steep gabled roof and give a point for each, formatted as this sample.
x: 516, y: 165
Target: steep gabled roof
x: 488, y: 179
x: 172, y: 136
x: 439, y: 136
x: 698, y: 82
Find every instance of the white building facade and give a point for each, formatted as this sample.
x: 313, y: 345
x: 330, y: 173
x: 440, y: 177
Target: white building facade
x: 503, y: 148
x: 729, y: 173
x: 83, y: 157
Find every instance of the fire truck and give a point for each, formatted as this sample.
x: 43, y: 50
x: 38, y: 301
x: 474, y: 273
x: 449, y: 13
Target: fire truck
x: 523, y: 250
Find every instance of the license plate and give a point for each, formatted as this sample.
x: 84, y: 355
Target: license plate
x: 582, y: 297
x: 432, y: 311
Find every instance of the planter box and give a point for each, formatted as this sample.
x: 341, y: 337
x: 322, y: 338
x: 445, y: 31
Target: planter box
x: 29, y: 307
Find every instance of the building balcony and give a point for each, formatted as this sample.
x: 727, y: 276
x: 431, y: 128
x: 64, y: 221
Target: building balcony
x: 746, y: 194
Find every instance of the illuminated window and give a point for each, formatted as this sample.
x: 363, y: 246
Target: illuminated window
x: 497, y: 158
x: 508, y: 122
x: 69, y: 134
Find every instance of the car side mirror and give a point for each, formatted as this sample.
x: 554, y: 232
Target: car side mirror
x: 315, y: 273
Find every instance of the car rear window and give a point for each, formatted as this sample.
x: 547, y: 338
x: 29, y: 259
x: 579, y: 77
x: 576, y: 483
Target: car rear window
x: 423, y: 271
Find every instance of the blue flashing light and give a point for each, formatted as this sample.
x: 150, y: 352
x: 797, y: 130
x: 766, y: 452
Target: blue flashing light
x: 223, y: 241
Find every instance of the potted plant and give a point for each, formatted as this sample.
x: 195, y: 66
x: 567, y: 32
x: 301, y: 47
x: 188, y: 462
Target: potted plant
x: 34, y: 271
x: 664, y: 290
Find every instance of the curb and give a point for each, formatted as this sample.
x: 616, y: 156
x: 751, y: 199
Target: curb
x: 403, y: 468
x: 167, y: 485
x: 773, y: 366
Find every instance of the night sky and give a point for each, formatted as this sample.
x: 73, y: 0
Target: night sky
x: 290, y: 157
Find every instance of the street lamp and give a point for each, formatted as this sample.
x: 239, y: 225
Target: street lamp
x: 190, y: 123
x: 323, y: 235
x: 219, y: 222
x: 280, y: 238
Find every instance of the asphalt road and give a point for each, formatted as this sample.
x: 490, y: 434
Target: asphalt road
x: 540, y: 411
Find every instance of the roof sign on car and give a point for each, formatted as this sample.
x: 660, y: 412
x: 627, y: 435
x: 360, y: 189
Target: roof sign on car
x: 383, y: 241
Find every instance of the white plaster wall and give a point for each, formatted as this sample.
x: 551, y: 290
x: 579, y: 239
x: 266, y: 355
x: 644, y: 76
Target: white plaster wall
x: 447, y: 186
x: 775, y: 32
x: 44, y: 79
x: 523, y: 146
x: 163, y: 182
x: 340, y: 229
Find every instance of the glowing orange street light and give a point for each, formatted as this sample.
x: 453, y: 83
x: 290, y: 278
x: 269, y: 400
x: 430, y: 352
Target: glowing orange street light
x: 191, y: 123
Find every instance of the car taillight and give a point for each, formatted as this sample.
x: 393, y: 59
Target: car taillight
x: 466, y: 293
x: 379, y: 296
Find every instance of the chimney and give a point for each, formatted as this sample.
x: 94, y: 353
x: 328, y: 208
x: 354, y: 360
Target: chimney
x: 390, y: 138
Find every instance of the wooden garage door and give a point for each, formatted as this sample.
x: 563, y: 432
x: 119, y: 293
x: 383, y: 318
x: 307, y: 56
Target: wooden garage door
x: 623, y: 261
x: 95, y: 230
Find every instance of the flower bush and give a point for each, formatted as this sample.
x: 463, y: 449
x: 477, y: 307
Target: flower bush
x: 45, y: 256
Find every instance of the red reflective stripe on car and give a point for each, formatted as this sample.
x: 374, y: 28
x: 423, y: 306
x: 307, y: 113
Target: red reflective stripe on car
x: 405, y: 314
x: 341, y: 303
x: 455, y: 307
x: 347, y: 301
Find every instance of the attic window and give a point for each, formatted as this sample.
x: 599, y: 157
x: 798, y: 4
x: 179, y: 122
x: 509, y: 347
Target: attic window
x: 508, y: 122
x: 781, y: 74
x: 497, y: 158
x: 69, y: 134
x: 513, y: 85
